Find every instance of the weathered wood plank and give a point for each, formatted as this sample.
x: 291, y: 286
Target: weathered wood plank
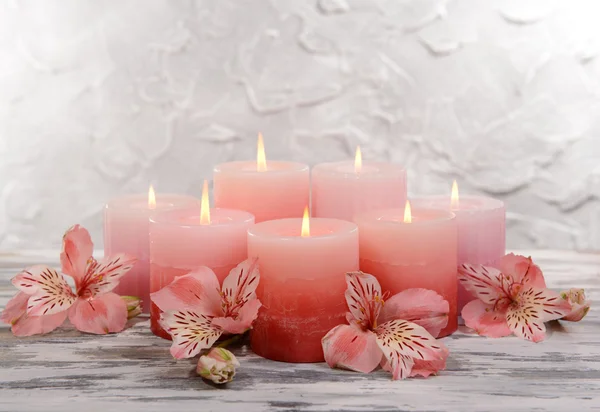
x: 131, y: 371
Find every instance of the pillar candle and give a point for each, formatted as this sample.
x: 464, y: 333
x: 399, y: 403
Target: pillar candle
x: 302, y: 285
x: 126, y: 231
x: 342, y: 189
x: 280, y: 191
x: 419, y: 254
x: 481, y: 230
x: 181, y: 242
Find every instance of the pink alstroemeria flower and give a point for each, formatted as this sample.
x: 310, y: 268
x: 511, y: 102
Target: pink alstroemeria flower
x: 394, y: 334
x: 45, y: 299
x: 197, y: 311
x: 510, y: 299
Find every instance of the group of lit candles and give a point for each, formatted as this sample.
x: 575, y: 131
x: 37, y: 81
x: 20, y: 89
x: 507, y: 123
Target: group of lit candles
x: 361, y: 220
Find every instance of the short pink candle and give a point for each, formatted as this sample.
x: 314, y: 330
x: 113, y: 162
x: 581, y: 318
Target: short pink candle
x: 302, y: 285
x: 280, y: 191
x: 126, y: 231
x: 179, y: 243
x: 343, y: 189
x: 481, y: 230
x: 419, y: 254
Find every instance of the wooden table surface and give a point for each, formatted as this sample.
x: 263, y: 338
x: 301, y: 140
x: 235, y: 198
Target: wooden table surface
x: 133, y: 371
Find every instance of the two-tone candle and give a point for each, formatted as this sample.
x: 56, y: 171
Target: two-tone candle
x: 269, y: 190
x: 126, y: 226
x: 343, y: 189
x: 185, y: 239
x: 302, y: 267
x: 407, y: 249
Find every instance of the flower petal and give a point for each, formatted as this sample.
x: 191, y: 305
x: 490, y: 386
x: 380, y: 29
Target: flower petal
x: 363, y: 297
x: 77, y: 249
x: 198, y: 291
x: 579, y: 305
x: 240, y: 285
x: 244, y: 320
x: 521, y: 269
x: 483, y: 282
x: 103, y: 276
x: 101, y: 314
x: 48, y: 290
x: 421, y: 306
x: 351, y: 348
x: 402, y: 342
x: 427, y: 368
x: 15, y: 314
x: 535, y: 306
x: 484, y: 320
x: 191, y: 332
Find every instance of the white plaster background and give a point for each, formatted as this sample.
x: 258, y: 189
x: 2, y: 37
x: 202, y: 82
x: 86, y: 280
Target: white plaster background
x: 98, y: 98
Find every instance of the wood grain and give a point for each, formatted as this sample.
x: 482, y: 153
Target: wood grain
x: 133, y: 371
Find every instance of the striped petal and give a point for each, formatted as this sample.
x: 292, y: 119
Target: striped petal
x: 485, y: 283
x: 405, y: 342
x: 531, y: 309
x: 363, y: 297
x: 48, y: 290
x: 103, y: 276
x: 239, y: 287
x: 191, y: 332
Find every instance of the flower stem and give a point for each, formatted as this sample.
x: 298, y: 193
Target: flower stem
x: 229, y: 341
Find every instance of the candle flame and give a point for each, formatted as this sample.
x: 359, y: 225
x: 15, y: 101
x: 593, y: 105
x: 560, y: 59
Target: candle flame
x: 261, y: 160
x: 305, y: 224
x: 151, y: 198
x: 205, y: 206
x: 358, y: 160
x: 454, y: 196
x: 407, y: 213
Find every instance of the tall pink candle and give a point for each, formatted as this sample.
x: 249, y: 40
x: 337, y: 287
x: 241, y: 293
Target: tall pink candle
x: 126, y: 231
x: 419, y: 254
x: 179, y: 243
x: 343, y: 189
x: 481, y: 230
x: 302, y: 285
x: 272, y: 190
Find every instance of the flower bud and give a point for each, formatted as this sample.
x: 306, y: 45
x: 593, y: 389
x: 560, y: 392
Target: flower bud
x: 218, y: 365
x: 134, y: 307
x: 579, y: 305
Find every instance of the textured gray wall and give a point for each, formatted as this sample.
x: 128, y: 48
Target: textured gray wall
x: 98, y: 98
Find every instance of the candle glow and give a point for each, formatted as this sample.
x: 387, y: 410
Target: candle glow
x: 305, y: 224
x: 261, y: 160
x: 454, y: 197
x: 151, y: 198
x: 407, y: 213
x: 358, y: 160
x: 204, y: 206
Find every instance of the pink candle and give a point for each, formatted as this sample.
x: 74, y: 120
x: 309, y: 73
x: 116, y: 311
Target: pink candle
x: 126, y: 231
x: 481, y: 230
x: 415, y: 250
x: 268, y: 190
x: 302, y: 285
x: 182, y: 240
x: 343, y: 189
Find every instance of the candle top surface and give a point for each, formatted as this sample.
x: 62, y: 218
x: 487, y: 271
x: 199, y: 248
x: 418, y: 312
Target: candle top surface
x: 291, y: 228
x: 395, y: 217
x: 190, y: 217
x: 139, y: 201
x: 466, y: 203
x: 347, y: 169
x: 250, y: 167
